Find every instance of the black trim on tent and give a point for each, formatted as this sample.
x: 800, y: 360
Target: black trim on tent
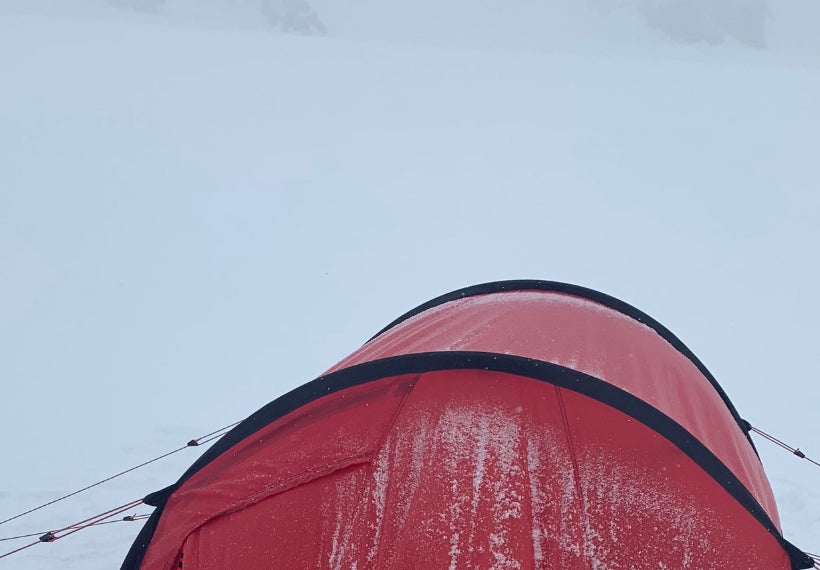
x: 524, y: 367
x: 585, y: 293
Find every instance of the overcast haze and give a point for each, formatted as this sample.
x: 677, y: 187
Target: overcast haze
x: 199, y: 212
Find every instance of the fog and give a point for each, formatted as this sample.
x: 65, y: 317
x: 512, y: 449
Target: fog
x: 204, y: 204
x: 784, y: 26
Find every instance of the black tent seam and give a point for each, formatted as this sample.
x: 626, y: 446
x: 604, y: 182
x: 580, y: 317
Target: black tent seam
x: 585, y: 293
x: 554, y: 374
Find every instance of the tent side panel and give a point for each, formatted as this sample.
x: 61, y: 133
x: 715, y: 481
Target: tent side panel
x: 326, y: 435
x: 309, y: 526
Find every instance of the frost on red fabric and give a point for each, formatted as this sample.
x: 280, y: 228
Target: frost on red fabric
x: 586, y: 336
x: 472, y: 469
x: 479, y: 468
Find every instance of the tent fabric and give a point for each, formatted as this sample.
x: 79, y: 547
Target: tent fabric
x: 585, y: 336
x: 511, y: 427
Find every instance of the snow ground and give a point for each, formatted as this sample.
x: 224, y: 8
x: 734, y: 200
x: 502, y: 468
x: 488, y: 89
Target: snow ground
x: 196, y: 218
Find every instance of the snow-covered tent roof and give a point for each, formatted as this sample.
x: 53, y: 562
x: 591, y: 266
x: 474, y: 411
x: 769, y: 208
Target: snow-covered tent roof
x: 520, y: 424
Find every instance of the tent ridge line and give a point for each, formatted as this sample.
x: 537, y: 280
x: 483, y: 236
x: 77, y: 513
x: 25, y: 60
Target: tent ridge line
x: 584, y: 293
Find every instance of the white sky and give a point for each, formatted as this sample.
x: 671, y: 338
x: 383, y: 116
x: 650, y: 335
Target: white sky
x: 195, y: 220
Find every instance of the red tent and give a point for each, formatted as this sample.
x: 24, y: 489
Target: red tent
x: 512, y: 425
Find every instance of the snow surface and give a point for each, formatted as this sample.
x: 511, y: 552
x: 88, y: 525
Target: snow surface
x: 197, y: 215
